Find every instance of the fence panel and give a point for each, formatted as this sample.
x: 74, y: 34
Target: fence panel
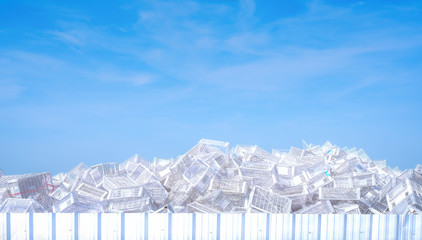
x: 208, y: 226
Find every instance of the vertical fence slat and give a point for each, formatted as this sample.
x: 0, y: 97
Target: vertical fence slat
x: 194, y: 226
x: 8, y: 227
x: 53, y: 226
x: 122, y: 226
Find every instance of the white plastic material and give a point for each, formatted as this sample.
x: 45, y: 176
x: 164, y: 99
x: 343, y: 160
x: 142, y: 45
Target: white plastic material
x: 213, y: 178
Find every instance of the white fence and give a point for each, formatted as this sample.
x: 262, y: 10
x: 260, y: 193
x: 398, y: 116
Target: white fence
x: 207, y: 226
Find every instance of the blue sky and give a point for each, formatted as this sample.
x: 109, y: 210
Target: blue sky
x: 95, y: 81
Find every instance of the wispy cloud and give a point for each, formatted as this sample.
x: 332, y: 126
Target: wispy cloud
x: 298, y: 50
x: 247, y: 9
x: 72, y: 37
x: 273, y: 55
x: 134, y: 78
x: 23, y: 66
x: 27, y: 68
x: 9, y: 91
x: 31, y: 58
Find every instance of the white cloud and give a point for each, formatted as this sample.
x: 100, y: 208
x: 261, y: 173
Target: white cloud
x: 247, y: 8
x: 146, y: 16
x: 73, y: 37
x: 9, y: 91
x: 116, y: 75
x: 182, y: 46
x: 30, y: 58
